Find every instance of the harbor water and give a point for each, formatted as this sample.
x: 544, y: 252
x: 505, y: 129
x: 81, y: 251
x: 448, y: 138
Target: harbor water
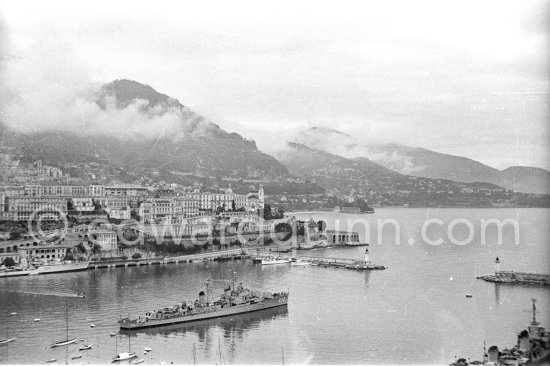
x: 414, y: 312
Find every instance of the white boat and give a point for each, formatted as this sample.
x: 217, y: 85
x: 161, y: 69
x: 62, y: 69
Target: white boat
x: 124, y: 356
x: 51, y: 360
x: 85, y: 347
x: 67, y: 341
x: 63, y: 343
x: 299, y: 262
x: 61, y: 267
x: 112, y: 334
x: 147, y: 349
x: 92, y: 325
x: 36, y: 319
x: 141, y: 360
x: 278, y: 260
x: 76, y: 357
x: 7, y: 340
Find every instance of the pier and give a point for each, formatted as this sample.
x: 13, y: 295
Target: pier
x: 346, y: 263
x: 224, y: 255
x: 511, y: 277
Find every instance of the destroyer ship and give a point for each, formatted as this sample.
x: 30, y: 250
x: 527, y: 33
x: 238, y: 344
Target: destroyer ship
x: 233, y: 301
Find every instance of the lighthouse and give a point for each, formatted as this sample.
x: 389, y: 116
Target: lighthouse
x: 497, y: 266
x: 367, y: 256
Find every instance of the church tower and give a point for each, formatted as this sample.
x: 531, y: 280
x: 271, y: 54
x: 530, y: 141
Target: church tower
x: 261, y: 197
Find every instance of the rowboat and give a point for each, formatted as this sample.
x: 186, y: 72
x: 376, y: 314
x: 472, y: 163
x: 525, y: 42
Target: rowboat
x: 63, y: 343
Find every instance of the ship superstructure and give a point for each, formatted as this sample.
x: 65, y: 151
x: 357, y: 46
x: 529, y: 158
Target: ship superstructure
x: 532, y: 348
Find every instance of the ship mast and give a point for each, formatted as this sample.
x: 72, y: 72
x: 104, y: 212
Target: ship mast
x: 207, y: 290
x: 66, y: 320
x: 534, y: 311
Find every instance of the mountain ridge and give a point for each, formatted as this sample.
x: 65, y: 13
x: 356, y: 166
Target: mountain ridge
x: 422, y: 162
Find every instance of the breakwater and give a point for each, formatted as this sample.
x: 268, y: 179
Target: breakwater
x: 512, y: 277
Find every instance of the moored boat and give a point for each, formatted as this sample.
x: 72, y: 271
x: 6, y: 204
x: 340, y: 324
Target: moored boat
x: 7, y: 340
x: 275, y: 260
x: 63, y: 343
x: 67, y: 341
x: 124, y: 356
x: 299, y: 262
x: 85, y: 347
x: 233, y: 301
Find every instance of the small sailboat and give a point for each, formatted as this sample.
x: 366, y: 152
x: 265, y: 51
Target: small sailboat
x: 85, y: 347
x: 7, y: 339
x: 67, y: 341
x: 124, y: 356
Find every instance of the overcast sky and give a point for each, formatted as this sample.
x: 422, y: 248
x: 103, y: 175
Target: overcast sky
x: 468, y: 78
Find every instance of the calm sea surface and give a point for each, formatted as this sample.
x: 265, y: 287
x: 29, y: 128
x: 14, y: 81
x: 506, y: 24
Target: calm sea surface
x: 413, y: 312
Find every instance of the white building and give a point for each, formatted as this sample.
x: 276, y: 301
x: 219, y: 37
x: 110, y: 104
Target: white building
x: 106, y: 239
x: 83, y: 204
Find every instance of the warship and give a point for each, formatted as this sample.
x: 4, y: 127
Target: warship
x: 234, y: 300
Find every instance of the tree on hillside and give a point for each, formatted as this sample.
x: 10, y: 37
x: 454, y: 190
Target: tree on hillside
x: 266, y: 212
x: 96, y: 249
x: 9, y: 262
x: 136, y: 255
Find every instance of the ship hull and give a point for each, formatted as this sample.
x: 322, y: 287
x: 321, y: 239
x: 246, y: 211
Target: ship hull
x: 234, y: 310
